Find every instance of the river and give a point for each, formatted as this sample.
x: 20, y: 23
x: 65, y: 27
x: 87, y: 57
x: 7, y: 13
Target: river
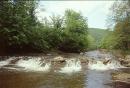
x: 36, y: 72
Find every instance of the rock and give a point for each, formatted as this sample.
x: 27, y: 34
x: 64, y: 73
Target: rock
x: 84, y: 61
x: 127, y: 57
x: 128, y: 65
x: 59, y: 59
x: 49, y: 54
x: 105, y: 62
x: 125, y: 61
x: 81, y: 53
x: 121, y: 76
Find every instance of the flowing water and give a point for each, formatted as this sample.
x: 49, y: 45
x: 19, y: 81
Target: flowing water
x: 71, y: 66
x: 36, y: 72
x: 34, y: 64
x: 99, y: 65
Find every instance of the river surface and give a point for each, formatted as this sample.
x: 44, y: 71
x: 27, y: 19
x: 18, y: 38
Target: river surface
x: 32, y: 73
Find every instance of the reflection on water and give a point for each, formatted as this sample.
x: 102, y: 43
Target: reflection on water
x: 98, y: 79
x: 89, y: 79
x: 40, y: 80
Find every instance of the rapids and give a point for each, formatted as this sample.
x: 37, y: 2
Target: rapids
x: 71, y: 66
x: 5, y: 62
x: 34, y: 64
x: 100, y: 65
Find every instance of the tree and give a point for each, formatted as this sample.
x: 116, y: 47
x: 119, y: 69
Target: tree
x: 75, y: 32
x: 16, y: 19
x: 120, y: 16
x: 57, y: 21
x: 20, y: 31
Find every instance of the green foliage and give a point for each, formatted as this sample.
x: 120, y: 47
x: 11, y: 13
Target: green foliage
x: 16, y: 19
x: 57, y: 21
x: 73, y: 43
x: 122, y: 32
x: 37, y: 40
x: 108, y: 42
x: 91, y: 43
x: 75, y: 32
x: 120, y: 38
x: 75, y: 22
x: 21, y: 31
x: 95, y: 37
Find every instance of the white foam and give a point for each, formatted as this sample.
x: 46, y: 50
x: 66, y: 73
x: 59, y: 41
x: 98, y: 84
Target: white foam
x: 99, y: 65
x: 34, y: 64
x: 5, y: 62
x: 71, y: 66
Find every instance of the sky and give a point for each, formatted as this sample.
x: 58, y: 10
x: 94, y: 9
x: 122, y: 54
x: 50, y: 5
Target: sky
x: 95, y: 11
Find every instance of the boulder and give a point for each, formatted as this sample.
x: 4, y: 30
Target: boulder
x: 59, y: 59
x: 127, y: 57
x: 121, y: 76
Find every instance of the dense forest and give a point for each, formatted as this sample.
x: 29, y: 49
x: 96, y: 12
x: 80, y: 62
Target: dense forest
x: 21, y: 31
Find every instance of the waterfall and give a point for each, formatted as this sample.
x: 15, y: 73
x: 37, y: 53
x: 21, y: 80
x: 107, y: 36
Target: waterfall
x: 34, y: 64
x: 71, y: 66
